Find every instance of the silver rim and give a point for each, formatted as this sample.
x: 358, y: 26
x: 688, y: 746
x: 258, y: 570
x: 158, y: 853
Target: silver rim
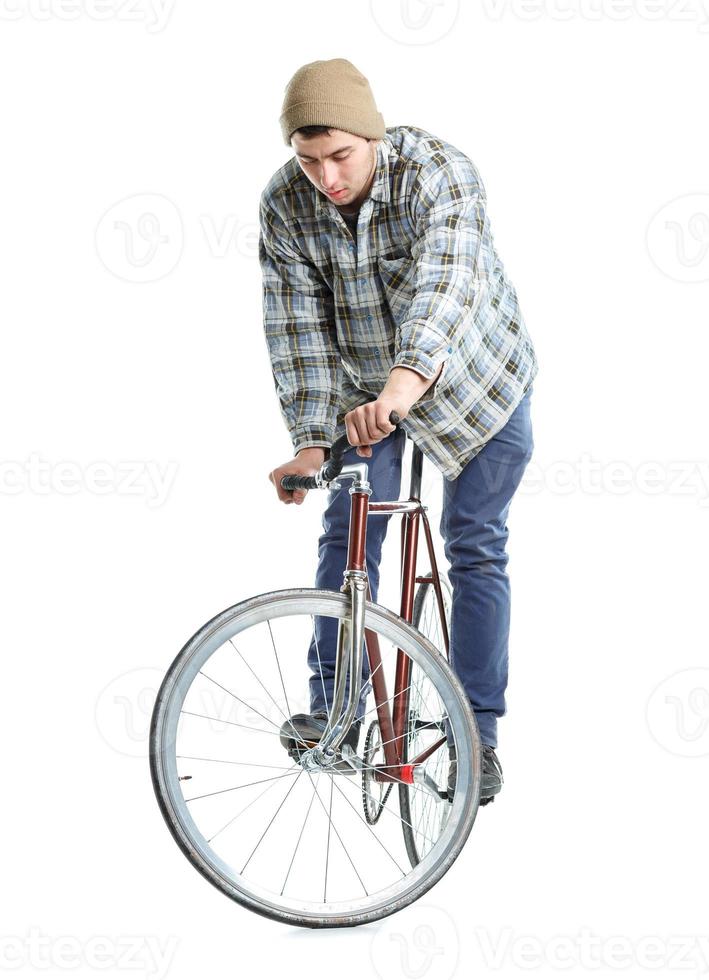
x: 174, y: 803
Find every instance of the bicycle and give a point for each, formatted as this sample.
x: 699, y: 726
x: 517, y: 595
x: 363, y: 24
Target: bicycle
x: 303, y: 872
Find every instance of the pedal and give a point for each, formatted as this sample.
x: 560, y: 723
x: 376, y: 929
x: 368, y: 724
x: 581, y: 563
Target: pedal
x: 297, y: 749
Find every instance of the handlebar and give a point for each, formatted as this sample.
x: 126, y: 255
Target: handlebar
x: 331, y: 468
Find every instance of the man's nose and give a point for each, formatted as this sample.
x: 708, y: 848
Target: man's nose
x: 328, y: 176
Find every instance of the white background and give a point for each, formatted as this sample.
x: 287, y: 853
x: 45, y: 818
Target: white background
x: 587, y: 122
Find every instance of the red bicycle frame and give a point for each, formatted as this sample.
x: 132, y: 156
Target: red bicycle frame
x: 392, y: 723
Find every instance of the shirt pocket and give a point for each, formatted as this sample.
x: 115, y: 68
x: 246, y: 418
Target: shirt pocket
x: 396, y: 275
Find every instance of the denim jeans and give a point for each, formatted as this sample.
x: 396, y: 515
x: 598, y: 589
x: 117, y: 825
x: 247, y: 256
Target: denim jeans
x: 474, y: 532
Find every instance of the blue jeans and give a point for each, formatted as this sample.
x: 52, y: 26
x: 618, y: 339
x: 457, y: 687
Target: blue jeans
x: 474, y: 531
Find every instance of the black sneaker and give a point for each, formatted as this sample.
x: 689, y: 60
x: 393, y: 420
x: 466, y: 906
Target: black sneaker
x: 491, y: 781
x: 303, y: 731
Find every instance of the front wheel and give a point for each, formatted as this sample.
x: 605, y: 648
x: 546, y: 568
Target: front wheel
x: 283, y: 840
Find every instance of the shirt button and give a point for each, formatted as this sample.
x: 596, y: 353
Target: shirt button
x: 450, y: 350
x: 377, y: 351
x: 370, y: 317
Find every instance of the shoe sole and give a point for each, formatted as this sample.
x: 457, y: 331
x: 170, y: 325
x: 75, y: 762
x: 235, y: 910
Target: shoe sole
x: 488, y: 790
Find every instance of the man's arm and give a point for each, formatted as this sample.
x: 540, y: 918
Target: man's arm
x: 448, y: 205
x: 299, y: 324
x: 449, y: 210
x: 405, y: 386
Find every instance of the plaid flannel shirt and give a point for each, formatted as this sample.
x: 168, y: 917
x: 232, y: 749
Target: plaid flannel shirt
x: 422, y: 285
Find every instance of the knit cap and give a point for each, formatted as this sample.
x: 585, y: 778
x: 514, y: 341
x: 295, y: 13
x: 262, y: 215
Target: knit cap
x: 331, y: 93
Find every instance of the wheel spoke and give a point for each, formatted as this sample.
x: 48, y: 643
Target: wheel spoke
x: 300, y: 835
x: 331, y: 824
x: 322, y: 679
x: 311, y: 852
x: 278, y: 664
x: 230, y: 789
x: 271, y: 821
x: 262, y: 685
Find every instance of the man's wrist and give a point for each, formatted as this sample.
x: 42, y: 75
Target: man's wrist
x: 405, y: 386
x: 312, y: 449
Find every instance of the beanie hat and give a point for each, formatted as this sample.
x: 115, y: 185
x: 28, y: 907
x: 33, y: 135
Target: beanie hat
x: 331, y: 93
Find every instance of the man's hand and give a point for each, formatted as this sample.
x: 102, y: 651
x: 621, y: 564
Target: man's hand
x: 306, y: 462
x: 369, y: 424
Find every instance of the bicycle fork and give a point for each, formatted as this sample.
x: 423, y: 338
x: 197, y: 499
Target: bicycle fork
x: 350, y: 635
x: 349, y: 658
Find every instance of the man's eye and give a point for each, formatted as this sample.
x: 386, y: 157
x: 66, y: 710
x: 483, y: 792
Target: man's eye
x: 307, y: 162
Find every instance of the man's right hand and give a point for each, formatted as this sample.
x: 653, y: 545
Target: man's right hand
x: 306, y: 462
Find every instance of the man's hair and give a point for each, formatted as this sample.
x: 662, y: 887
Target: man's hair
x: 308, y: 132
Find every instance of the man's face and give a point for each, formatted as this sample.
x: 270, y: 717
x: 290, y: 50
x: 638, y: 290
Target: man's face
x: 338, y: 162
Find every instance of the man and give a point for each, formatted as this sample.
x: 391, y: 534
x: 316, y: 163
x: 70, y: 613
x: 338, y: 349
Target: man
x: 383, y: 291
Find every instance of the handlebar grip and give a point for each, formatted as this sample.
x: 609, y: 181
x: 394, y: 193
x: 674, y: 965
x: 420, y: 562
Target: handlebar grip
x: 333, y: 466
x: 298, y: 482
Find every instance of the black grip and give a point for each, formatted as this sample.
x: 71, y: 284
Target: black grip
x: 340, y: 446
x: 298, y: 483
x: 332, y: 467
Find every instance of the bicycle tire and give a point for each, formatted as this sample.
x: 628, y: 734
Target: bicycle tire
x: 425, y: 594
x: 163, y: 729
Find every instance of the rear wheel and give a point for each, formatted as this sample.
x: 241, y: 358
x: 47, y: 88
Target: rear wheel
x: 422, y: 818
